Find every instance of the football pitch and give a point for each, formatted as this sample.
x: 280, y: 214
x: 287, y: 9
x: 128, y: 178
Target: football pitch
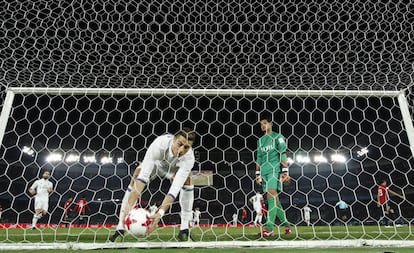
x: 212, y: 234
x: 237, y: 250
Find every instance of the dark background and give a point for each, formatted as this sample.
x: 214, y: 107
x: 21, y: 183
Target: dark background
x: 227, y: 128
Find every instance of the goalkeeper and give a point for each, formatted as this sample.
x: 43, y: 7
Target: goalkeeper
x: 271, y: 153
x: 172, y: 157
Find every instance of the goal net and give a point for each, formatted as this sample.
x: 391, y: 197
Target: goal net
x: 341, y: 145
x: 86, y: 87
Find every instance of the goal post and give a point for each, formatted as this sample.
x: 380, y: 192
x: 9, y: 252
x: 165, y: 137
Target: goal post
x: 120, y: 123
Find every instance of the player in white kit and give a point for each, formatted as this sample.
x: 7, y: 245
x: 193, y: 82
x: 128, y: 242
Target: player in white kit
x: 234, y: 217
x: 256, y: 200
x: 41, y: 189
x: 196, y: 217
x: 306, y: 214
x: 168, y: 156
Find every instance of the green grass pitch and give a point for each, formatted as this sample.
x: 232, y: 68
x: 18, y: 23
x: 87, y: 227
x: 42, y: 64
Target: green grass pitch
x: 208, y: 234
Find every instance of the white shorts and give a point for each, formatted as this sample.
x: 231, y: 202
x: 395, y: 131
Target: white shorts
x: 41, y: 203
x: 258, y: 209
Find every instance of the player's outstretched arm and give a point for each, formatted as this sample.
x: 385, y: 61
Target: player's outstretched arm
x: 155, y: 219
x: 32, y: 189
x: 395, y: 194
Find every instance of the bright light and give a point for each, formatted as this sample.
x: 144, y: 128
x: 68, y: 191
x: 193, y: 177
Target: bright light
x: 89, y: 159
x: 362, y: 152
x: 290, y: 161
x: 320, y: 159
x: 54, y: 157
x: 71, y: 158
x: 338, y: 158
x: 106, y: 159
x: 302, y: 159
x: 28, y: 150
x: 120, y: 160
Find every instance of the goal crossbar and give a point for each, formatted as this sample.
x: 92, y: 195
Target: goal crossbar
x: 201, y: 92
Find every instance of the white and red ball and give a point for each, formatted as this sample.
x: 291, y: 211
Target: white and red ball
x: 137, y: 222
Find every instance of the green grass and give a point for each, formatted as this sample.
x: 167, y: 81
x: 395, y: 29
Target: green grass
x: 235, y: 250
x: 320, y: 233
x: 168, y: 234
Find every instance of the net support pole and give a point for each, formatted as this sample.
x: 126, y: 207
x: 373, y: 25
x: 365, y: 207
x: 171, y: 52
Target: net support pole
x: 5, y: 113
x: 408, y: 122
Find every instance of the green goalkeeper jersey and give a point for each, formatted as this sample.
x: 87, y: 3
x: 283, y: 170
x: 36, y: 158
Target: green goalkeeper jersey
x: 271, y: 150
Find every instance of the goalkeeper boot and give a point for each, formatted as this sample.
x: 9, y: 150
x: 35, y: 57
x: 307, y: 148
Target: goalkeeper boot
x: 117, y: 233
x: 184, y: 235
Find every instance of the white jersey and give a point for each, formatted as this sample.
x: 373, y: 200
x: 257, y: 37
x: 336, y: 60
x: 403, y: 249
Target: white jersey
x: 159, y: 160
x: 307, y: 211
x: 42, y: 187
x: 196, y: 215
x: 257, y: 202
x: 234, y: 218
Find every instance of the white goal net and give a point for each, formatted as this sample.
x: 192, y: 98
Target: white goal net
x: 341, y: 145
x: 86, y: 87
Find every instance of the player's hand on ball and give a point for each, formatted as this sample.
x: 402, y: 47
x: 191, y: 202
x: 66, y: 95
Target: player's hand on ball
x: 155, y: 219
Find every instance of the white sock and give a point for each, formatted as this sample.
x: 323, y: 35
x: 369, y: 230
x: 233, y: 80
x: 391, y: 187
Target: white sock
x: 124, y: 203
x: 36, y: 217
x: 186, y: 204
x: 259, y: 218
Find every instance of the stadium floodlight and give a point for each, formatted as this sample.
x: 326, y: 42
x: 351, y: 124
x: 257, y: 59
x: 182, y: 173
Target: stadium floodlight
x: 71, y: 158
x: 89, y: 159
x: 362, y: 152
x: 27, y: 150
x: 120, y: 160
x: 106, y: 159
x: 302, y: 159
x: 338, y: 158
x: 320, y: 159
x: 54, y: 157
x: 290, y: 161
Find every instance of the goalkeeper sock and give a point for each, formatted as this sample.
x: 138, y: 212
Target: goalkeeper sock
x: 120, y: 225
x: 186, y: 204
x: 271, y: 214
x: 281, y: 215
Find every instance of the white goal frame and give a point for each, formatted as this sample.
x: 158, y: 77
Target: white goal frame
x: 407, y: 123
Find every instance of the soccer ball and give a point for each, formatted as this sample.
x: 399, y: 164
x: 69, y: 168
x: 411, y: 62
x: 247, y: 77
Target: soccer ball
x: 137, y: 222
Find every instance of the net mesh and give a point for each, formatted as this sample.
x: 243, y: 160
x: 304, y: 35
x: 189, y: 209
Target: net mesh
x: 122, y: 126
x: 238, y: 45
x: 208, y: 44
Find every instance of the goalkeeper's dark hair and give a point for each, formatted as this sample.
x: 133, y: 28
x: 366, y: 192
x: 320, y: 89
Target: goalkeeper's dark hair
x: 266, y: 116
x: 187, y: 133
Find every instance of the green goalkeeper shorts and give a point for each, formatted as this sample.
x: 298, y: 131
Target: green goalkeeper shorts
x: 271, y: 181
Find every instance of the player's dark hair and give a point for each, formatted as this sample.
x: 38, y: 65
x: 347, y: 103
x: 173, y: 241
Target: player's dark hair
x: 383, y: 181
x: 187, y: 133
x: 266, y: 116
